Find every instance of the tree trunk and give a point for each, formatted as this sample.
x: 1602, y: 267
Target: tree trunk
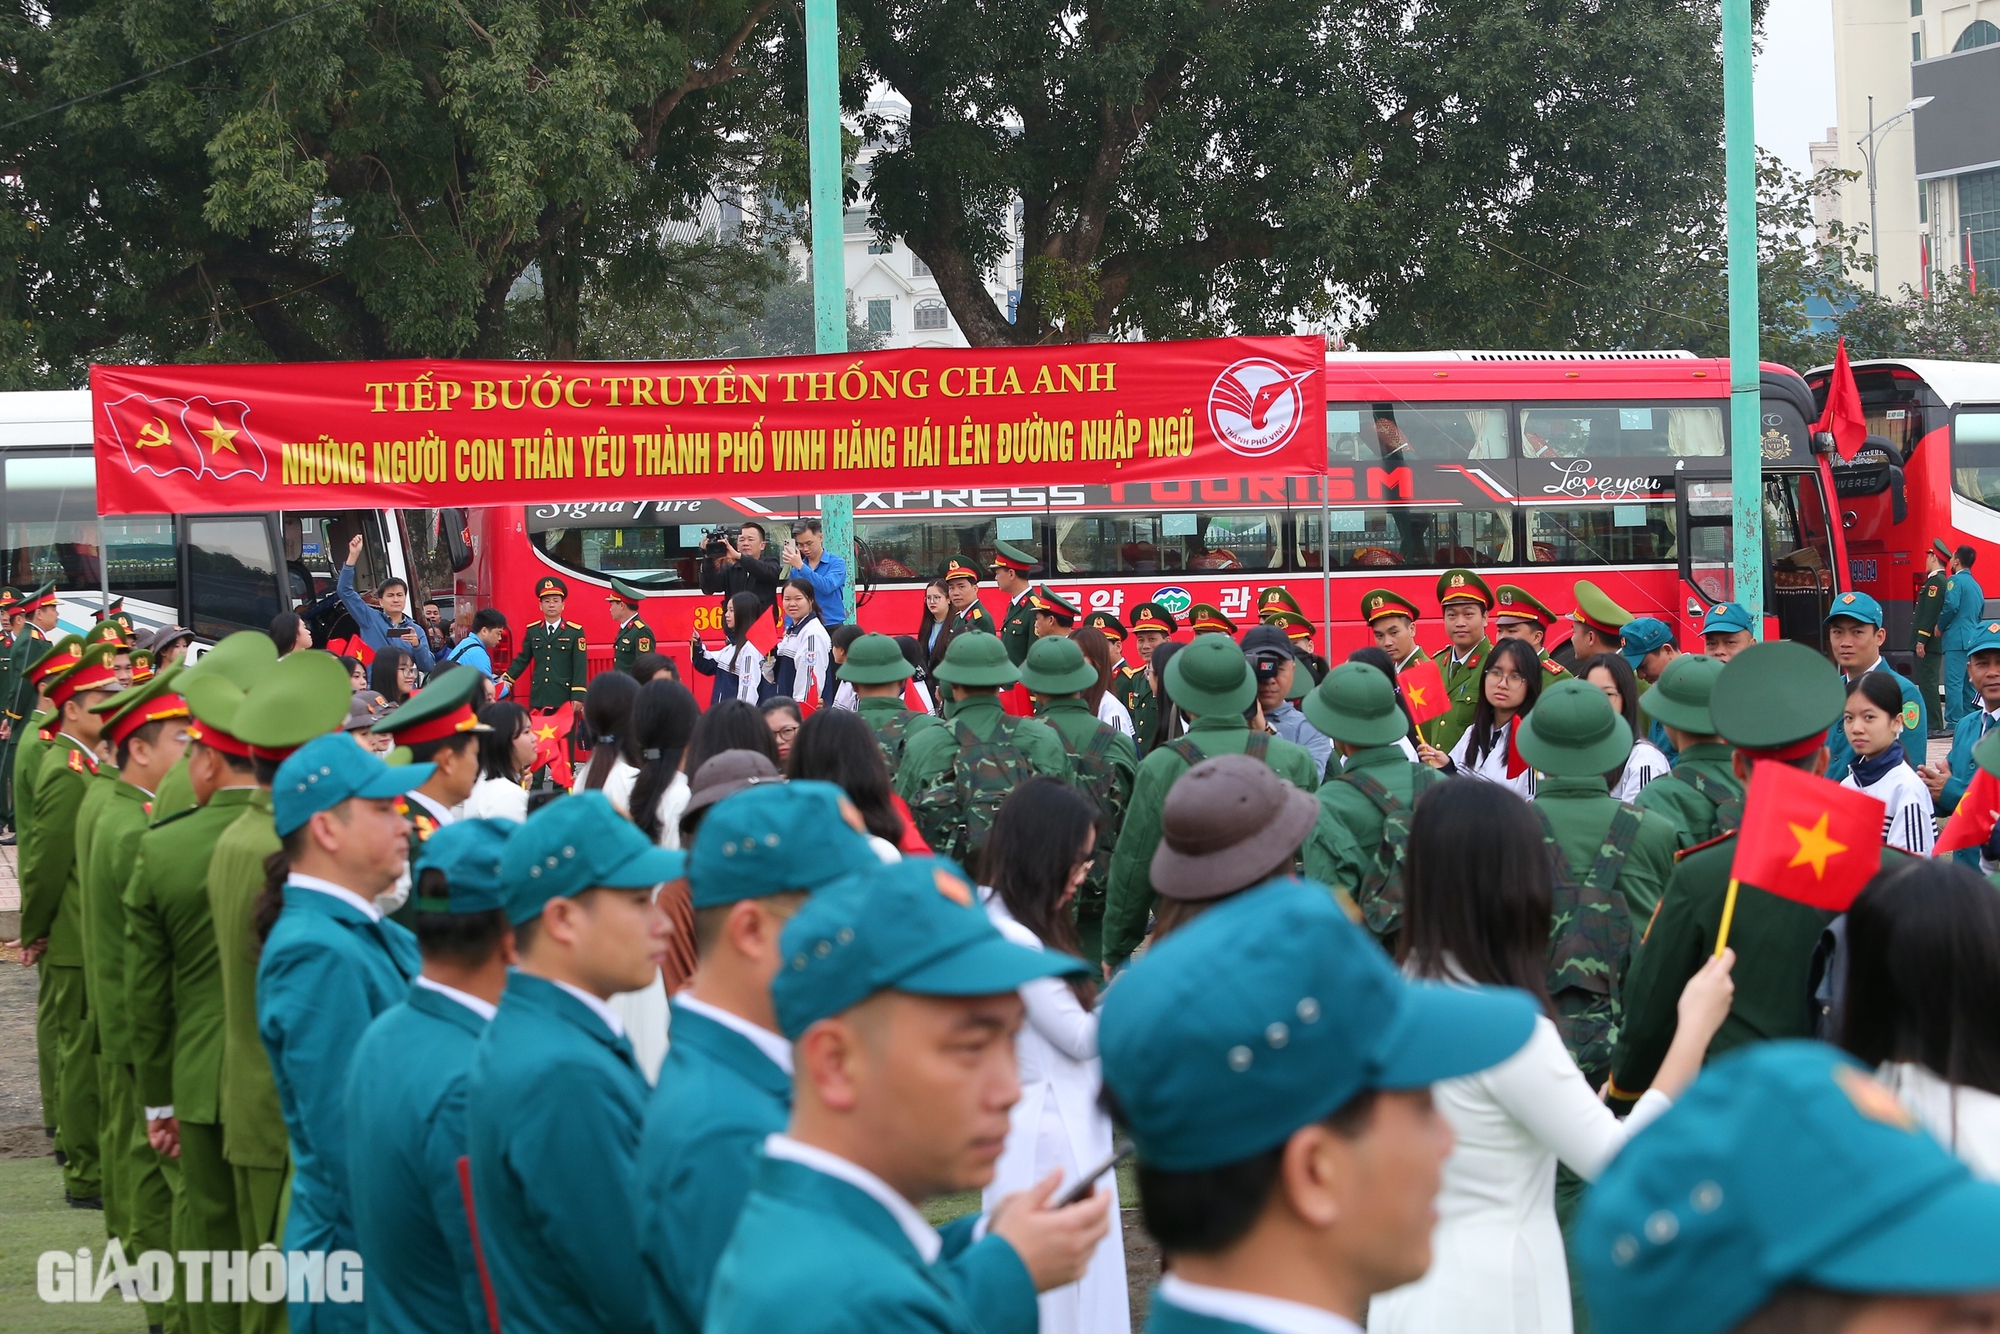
x: 562, y: 292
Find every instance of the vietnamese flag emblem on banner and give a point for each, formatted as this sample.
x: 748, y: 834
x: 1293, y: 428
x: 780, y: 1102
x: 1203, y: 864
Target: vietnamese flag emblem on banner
x: 1422, y: 686
x: 1807, y: 839
x: 196, y: 435
x: 552, y: 742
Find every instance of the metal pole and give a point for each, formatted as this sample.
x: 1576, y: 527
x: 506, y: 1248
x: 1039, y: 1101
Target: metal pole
x: 829, y: 258
x: 1745, y: 403
x: 1874, y: 234
x: 1326, y: 570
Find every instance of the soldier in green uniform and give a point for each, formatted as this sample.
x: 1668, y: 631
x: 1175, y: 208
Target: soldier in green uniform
x: 1152, y: 626
x: 954, y: 777
x: 1011, y: 570
x: 242, y: 660
x: 1103, y: 758
x: 1206, y: 619
x: 1518, y: 614
x: 1702, y: 795
x: 1213, y: 683
x: 146, y: 727
x: 440, y: 727
x: 34, y: 732
x: 1925, y: 641
x: 1597, y: 625
x: 1299, y: 631
x: 556, y: 647
x: 1275, y: 599
x: 877, y: 670
x: 51, y: 929
x: 961, y: 586
x: 1392, y: 619
x: 1364, y: 829
x: 1054, y: 613
x: 174, y: 981
x: 634, y: 635
x: 1463, y: 600
x: 1771, y: 703
x: 30, y: 643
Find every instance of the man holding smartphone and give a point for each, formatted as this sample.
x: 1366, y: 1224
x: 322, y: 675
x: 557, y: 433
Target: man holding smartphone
x: 805, y: 557
x: 390, y: 625
x: 729, y: 568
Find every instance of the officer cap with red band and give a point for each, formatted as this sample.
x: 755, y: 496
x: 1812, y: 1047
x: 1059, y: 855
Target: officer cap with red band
x: 1152, y: 616
x: 131, y: 709
x: 443, y: 708
x: 94, y: 672
x: 1055, y: 604
x: 61, y: 656
x: 35, y: 600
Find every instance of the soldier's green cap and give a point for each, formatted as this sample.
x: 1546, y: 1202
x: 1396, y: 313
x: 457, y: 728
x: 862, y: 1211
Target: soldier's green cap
x: 977, y: 659
x: 1378, y: 602
x: 1680, y: 697
x: 110, y: 631
x: 575, y: 844
x: 10, y: 598
x: 774, y: 838
x: 1277, y: 598
x: 1152, y: 616
x: 1511, y: 602
x: 959, y: 567
x: 875, y: 660
x: 1055, y: 604
x: 1207, y: 619
x: 914, y: 927
x: 467, y: 853
x: 1114, y: 630
x: 1943, y: 551
x: 37, y: 598
x: 92, y: 672
x: 241, y: 658
x: 1573, y: 732
x: 624, y: 592
x: 1015, y: 559
x: 304, y: 696
x: 1784, y: 1164
x: 136, y: 694
x: 1774, y: 695
x: 1463, y: 586
x: 1056, y: 666
x: 1356, y: 704
x: 1210, y: 677
x: 444, y: 707
x: 1595, y: 609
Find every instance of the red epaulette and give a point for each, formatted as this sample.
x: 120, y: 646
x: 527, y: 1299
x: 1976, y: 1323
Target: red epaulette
x: 1727, y: 833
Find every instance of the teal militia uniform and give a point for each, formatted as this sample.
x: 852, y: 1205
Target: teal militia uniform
x: 1701, y: 795
x: 1924, y: 611
x: 634, y: 637
x: 562, y: 664
x: 1104, y: 764
x: 894, y: 725
x: 1347, y: 847
x: 1958, y: 625
x: 174, y: 977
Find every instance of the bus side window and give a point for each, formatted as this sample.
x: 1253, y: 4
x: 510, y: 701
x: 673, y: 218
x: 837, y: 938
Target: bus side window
x: 232, y: 576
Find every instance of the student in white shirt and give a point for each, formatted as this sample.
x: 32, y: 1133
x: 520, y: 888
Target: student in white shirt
x: 505, y: 754
x: 1476, y: 913
x: 1509, y: 685
x: 1613, y: 675
x: 806, y: 651
x: 1873, y: 721
x: 607, y: 708
x: 738, y: 668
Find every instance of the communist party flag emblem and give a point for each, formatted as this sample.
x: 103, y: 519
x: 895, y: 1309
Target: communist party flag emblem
x: 1423, y: 690
x: 196, y: 435
x: 1806, y: 839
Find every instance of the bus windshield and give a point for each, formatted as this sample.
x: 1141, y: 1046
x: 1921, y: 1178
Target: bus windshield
x: 1975, y: 455
x: 48, y: 515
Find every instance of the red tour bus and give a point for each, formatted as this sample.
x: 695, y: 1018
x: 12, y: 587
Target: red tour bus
x: 1934, y: 472
x: 1536, y: 468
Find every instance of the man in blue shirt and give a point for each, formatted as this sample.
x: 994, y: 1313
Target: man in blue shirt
x: 805, y: 557
x: 489, y: 626
x: 1854, y: 632
x: 1958, y: 625
x: 1948, y: 781
x: 392, y: 623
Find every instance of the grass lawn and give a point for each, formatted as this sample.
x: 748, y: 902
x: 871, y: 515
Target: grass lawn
x: 947, y: 1207
x: 33, y: 1219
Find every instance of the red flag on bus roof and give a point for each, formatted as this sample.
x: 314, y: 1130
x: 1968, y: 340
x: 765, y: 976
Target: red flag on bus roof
x: 1843, y: 417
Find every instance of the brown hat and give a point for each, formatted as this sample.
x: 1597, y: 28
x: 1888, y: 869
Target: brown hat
x: 1228, y: 824
x: 726, y: 773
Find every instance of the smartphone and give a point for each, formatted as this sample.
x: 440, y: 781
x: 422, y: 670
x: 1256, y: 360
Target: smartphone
x: 1082, y: 1189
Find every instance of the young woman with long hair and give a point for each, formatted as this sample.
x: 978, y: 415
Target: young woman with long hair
x: 663, y: 717
x: 1476, y: 912
x: 839, y: 747
x: 393, y: 674
x: 614, y: 759
x: 1097, y: 651
x: 806, y: 651
x: 930, y: 630
x: 1509, y: 684
x: 1873, y: 720
x: 730, y: 725
x: 739, y: 668
x: 1169, y: 721
x: 1613, y: 675
x: 1035, y: 858
x: 506, y: 755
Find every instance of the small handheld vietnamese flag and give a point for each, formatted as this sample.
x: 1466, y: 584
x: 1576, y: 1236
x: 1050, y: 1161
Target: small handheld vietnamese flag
x: 1422, y: 687
x: 1971, y: 825
x: 1804, y: 838
x: 552, y: 742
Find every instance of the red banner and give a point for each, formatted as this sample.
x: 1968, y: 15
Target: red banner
x: 173, y: 439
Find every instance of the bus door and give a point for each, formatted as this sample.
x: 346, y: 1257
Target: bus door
x: 315, y: 546
x: 229, y: 573
x: 1799, y: 576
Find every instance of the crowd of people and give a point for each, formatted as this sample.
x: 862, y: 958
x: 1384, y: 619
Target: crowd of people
x: 1414, y: 1016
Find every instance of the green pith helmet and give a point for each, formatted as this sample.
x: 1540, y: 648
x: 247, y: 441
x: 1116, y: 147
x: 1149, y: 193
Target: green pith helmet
x: 1056, y: 666
x: 977, y: 660
x: 1573, y: 732
x: 1356, y: 704
x: 1774, y: 695
x: 875, y: 660
x: 296, y: 700
x: 241, y: 658
x: 1680, y: 697
x: 1210, y: 677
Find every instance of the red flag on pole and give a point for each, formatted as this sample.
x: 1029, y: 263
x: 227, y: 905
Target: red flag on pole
x: 1971, y: 825
x: 1843, y: 417
x: 1807, y: 839
x: 552, y: 742
x: 1423, y: 690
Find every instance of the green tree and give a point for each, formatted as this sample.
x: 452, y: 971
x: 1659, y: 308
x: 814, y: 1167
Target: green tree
x: 367, y: 178
x: 1954, y: 323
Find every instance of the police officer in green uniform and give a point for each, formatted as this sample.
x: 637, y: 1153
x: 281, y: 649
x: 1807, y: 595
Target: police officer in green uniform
x: 1358, y: 846
x: 1702, y: 795
x: 405, y: 1093
x: 556, y: 647
x: 1104, y: 761
x: 1597, y: 625
x: 1518, y: 614
x: 1054, y: 613
x: 51, y: 925
x: 1788, y: 1190
x: 1207, y: 619
x: 1463, y: 600
x: 33, y: 733
x: 1266, y: 1101
x: 1152, y: 626
x: 1925, y: 642
x: 877, y: 670
x: 1771, y: 702
x: 726, y: 1085
x: 175, y: 981
x: 439, y: 727
x: 555, y: 1098
x: 955, y: 776
x: 1392, y: 619
x: 634, y: 635
x: 898, y: 961
x: 146, y: 728
x: 1212, y: 682
x: 961, y: 586
x: 1012, y: 568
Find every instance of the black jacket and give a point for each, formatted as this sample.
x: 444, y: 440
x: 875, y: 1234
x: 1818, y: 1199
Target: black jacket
x: 744, y: 575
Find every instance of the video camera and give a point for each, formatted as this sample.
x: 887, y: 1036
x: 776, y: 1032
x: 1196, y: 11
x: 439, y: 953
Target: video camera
x: 712, y: 539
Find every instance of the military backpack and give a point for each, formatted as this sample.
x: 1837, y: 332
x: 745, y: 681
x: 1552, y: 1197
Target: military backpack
x: 1097, y: 779
x: 954, y: 809
x: 1258, y: 747
x: 892, y: 733
x: 1380, y: 893
x: 1728, y: 804
x: 1590, y: 942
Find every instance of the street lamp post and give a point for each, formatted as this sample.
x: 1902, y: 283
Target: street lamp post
x: 1868, y: 148
x: 829, y: 260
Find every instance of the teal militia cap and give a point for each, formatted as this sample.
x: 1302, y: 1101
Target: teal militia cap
x: 467, y: 853
x: 331, y: 769
x: 1776, y: 695
x: 1271, y: 1011
x: 1680, y: 697
x: 779, y: 838
x: 914, y: 927
x: 875, y: 660
x: 1356, y: 704
x: 977, y: 660
x: 1210, y: 677
x: 1641, y: 636
x: 574, y: 844
x: 1856, y: 607
x: 1985, y: 638
x: 1056, y: 666
x: 1724, y: 617
x: 1573, y: 732
x: 1785, y: 1163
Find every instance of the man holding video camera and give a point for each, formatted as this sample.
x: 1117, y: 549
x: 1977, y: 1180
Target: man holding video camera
x: 729, y: 567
